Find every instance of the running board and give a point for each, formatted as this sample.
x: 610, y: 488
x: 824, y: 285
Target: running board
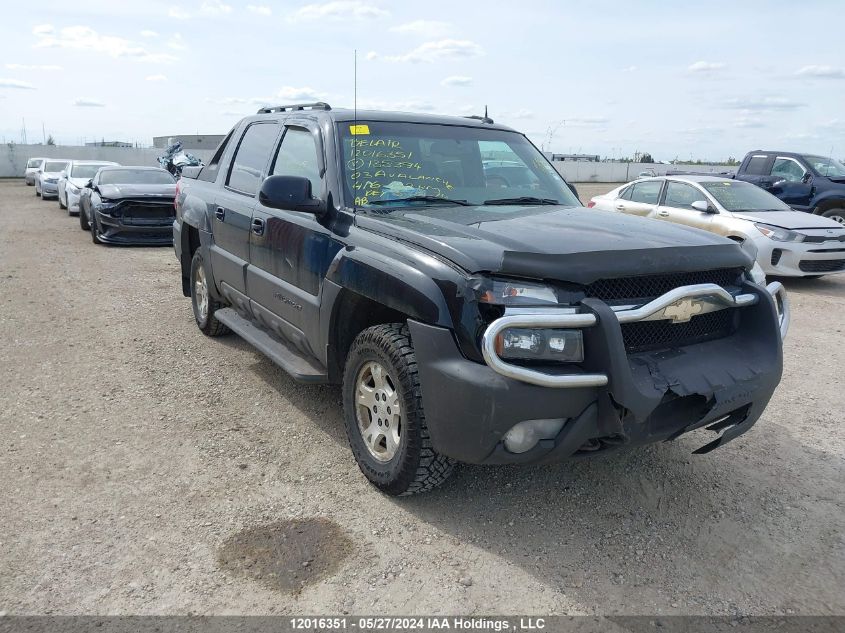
x: 298, y: 366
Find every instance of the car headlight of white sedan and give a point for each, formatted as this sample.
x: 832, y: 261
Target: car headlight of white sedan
x: 778, y: 234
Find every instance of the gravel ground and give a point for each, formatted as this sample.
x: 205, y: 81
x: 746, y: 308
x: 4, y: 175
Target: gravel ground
x: 147, y: 469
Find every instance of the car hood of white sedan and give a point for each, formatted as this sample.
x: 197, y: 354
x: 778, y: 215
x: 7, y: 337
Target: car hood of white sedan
x: 789, y: 219
x: 79, y: 182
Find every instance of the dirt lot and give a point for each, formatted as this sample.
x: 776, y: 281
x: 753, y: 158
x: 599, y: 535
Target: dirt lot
x: 148, y: 469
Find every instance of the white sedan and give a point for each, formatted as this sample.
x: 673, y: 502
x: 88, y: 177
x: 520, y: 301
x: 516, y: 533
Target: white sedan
x: 73, y: 179
x: 789, y: 243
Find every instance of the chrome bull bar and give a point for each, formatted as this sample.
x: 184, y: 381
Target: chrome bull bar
x: 678, y: 305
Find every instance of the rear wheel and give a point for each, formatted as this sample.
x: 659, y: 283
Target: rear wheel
x: 837, y: 215
x: 203, y: 303
x: 383, y: 411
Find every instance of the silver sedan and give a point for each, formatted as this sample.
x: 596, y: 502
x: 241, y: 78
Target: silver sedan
x: 73, y: 179
x: 788, y: 243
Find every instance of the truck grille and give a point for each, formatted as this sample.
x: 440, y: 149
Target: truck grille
x: 649, y: 335
x: 821, y: 265
x: 647, y: 287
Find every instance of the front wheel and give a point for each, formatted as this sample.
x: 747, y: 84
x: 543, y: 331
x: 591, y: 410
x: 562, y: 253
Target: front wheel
x: 203, y: 303
x: 384, y: 417
x: 837, y: 215
x: 83, y: 220
x: 95, y: 231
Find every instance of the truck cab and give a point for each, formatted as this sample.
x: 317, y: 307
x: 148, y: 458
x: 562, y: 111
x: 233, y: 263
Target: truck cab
x: 806, y: 182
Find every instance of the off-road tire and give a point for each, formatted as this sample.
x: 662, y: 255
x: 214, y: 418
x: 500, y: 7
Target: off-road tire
x: 416, y: 467
x: 209, y: 325
x: 83, y: 220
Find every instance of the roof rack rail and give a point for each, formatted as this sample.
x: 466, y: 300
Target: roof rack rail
x: 317, y: 105
x: 483, y: 119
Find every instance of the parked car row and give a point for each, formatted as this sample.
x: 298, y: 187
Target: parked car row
x: 117, y: 204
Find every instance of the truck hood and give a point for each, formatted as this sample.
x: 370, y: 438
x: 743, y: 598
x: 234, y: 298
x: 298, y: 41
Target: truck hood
x: 550, y: 242
x: 789, y: 219
x: 116, y: 192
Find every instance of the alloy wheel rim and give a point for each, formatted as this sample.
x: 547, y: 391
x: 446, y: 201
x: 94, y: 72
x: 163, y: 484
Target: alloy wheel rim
x: 838, y: 218
x: 378, y: 411
x: 201, y: 293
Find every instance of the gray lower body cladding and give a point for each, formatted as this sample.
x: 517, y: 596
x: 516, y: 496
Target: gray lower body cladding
x: 652, y: 396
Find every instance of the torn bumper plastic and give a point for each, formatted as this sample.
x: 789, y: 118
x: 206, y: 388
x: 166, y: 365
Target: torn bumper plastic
x: 615, y: 398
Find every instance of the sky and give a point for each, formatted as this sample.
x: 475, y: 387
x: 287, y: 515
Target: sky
x: 678, y: 80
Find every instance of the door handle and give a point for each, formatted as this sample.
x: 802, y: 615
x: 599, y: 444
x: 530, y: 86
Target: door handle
x: 258, y: 226
x: 620, y: 207
x: 663, y: 214
x: 220, y: 214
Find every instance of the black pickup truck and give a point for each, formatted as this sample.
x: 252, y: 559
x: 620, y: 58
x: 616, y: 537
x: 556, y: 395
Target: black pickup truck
x: 468, y: 318
x: 806, y: 182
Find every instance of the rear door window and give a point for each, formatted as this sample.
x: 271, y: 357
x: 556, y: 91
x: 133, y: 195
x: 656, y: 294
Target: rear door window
x: 209, y: 172
x: 757, y: 165
x: 252, y: 157
x: 646, y: 192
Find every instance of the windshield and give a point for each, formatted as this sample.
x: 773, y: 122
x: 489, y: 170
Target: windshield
x: 824, y: 166
x: 386, y: 164
x: 83, y: 171
x: 735, y: 195
x: 34, y: 162
x: 135, y: 177
x: 53, y: 167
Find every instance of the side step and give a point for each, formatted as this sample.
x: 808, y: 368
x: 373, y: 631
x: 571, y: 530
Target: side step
x: 298, y: 366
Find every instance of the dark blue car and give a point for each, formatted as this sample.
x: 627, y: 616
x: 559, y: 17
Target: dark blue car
x: 806, y: 182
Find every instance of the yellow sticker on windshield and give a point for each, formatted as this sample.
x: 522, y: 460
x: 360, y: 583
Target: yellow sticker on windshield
x: 359, y: 130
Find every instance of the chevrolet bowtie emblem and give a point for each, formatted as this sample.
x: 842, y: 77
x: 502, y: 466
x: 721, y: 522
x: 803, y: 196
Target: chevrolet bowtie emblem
x: 682, y: 310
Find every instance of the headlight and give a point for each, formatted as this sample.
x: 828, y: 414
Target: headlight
x: 779, y: 234
x: 563, y: 346
x: 500, y: 292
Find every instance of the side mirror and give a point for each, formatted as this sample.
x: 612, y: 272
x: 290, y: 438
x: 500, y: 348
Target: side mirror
x: 290, y: 193
x: 89, y: 184
x: 807, y: 178
x: 701, y: 205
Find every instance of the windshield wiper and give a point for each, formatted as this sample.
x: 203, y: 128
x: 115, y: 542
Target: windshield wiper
x: 522, y: 200
x: 436, y: 199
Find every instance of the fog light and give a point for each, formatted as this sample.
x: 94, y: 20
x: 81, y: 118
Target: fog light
x: 524, y: 435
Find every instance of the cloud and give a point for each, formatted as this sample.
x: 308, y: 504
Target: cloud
x: 763, y: 103
x: 629, y: 69
x: 457, y: 80
x: 86, y: 38
x: 440, y: 50
x: 424, y: 28
x: 260, y: 9
x: 177, y: 43
x: 746, y: 122
x: 585, y: 121
x: 156, y: 77
x: 33, y: 67
x: 178, y: 14
x: 706, y: 67
x: 148, y: 33
x: 43, y: 29
x: 215, y: 8
x: 14, y: 83
x: 339, y: 10
x: 522, y: 113
x: 372, y: 55
x: 290, y: 93
x: 821, y: 72
x: 88, y: 103
x: 410, y: 105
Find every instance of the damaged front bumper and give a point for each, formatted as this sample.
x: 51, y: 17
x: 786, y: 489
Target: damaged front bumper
x: 615, y: 397
x: 137, y: 222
